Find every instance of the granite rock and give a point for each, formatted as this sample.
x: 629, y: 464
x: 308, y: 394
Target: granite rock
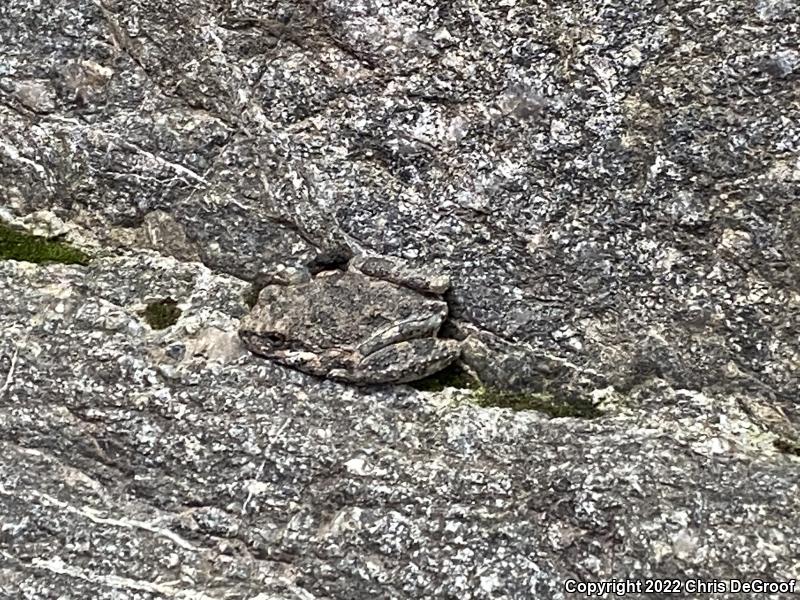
x: 137, y: 465
x: 611, y: 189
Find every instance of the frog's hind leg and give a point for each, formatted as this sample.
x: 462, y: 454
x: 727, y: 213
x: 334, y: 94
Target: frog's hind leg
x: 400, y: 332
x: 408, y: 360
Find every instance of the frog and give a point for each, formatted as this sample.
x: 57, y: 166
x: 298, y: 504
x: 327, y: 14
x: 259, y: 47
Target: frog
x: 363, y: 326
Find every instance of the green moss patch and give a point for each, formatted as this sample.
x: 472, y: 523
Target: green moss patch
x: 162, y: 314
x: 19, y: 245
x: 540, y: 401
x: 452, y: 376
x: 544, y: 402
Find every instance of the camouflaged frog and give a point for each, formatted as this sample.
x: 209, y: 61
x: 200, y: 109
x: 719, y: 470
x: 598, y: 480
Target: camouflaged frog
x: 374, y: 323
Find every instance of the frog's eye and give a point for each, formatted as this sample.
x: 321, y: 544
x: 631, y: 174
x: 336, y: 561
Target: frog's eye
x: 274, y: 338
x: 264, y: 340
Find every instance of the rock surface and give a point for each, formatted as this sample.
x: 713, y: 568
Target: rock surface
x: 611, y: 188
x: 153, y: 464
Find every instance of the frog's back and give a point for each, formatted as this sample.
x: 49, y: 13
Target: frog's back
x: 335, y: 309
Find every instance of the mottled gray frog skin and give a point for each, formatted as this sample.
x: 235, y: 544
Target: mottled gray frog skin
x: 350, y: 326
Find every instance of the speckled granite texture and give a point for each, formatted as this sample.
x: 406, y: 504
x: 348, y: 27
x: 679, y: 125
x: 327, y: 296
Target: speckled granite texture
x: 613, y: 188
